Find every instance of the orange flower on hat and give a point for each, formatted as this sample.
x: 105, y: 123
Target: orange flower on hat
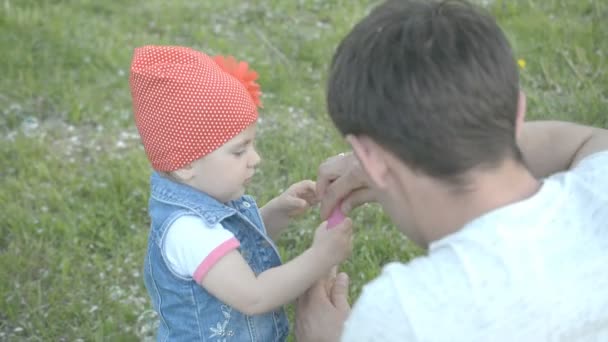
x: 241, y: 71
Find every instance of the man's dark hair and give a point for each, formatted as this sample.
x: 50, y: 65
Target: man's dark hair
x: 434, y: 82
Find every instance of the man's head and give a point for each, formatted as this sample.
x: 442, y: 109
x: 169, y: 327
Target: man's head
x: 432, y: 85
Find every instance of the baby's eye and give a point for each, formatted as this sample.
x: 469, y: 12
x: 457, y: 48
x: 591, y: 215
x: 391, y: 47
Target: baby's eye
x: 238, y: 153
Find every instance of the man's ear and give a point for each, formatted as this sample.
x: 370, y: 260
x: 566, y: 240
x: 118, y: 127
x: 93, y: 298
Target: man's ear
x: 185, y: 173
x: 521, y: 113
x: 372, y: 158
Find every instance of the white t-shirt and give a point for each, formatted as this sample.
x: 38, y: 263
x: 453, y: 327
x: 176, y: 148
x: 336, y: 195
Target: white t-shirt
x: 192, y: 247
x: 536, y: 270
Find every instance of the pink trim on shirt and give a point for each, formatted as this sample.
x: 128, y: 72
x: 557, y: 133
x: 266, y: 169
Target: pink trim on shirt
x: 214, y: 257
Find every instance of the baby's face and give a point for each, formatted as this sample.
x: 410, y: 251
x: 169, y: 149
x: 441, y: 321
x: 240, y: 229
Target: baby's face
x: 224, y: 173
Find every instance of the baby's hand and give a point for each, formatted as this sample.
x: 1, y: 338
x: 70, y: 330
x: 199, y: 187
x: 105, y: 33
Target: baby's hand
x: 298, y: 198
x: 291, y: 203
x: 336, y: 244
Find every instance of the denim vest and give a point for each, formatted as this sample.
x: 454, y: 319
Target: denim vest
x: 187, y: 311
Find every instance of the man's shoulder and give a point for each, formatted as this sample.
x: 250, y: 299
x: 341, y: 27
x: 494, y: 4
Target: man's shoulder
x: 378, y: 314
x: 425, y: 277
x: 396, y: 282
x: 405, y: 301
x: 389, y: 280
x: 420, y: 284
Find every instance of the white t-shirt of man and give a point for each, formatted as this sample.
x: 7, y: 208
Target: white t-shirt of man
x: 192, y: 248
x: 536, y: 270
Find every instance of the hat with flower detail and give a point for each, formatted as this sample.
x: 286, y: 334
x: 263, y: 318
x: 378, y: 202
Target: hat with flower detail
x: 187, y: 104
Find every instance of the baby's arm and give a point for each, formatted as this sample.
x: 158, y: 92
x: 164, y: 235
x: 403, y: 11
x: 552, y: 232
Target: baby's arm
x: 233, y: 282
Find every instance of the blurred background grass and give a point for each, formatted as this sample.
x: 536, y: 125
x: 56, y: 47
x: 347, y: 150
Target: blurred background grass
x: 73, y: 179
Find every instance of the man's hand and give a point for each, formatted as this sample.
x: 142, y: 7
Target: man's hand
x: 322, y: 310
x: 341, y: 178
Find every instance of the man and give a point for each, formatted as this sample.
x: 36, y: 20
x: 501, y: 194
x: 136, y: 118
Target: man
x: 427, y: 94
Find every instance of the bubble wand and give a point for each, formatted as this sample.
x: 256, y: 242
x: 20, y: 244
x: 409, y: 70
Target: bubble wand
x: 336, y: 217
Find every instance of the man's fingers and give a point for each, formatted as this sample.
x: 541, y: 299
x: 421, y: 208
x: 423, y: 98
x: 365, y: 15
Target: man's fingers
x: 339, y: 293
x: 330, y: 170
x: 320, y: 291
x: 334, y: 193
x: 331, y: 277
x: 333, y: 272
x: 354, y: 199
x: 340, y: 189
x: 304, y: 298
x: 357, y: 198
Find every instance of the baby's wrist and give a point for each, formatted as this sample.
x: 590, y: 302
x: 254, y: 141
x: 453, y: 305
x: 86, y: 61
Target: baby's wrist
x: 269, y: 213
x: 323, y: 257
x: 268, y: 208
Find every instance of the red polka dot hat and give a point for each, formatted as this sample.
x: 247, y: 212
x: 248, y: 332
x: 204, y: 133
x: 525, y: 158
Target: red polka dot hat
x: 187, y: 104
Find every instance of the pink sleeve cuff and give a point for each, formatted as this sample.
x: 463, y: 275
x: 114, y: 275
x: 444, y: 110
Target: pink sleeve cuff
x: 214, y: 257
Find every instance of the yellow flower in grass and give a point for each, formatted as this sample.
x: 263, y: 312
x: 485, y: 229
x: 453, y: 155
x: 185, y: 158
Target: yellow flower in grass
x: 522, y: 63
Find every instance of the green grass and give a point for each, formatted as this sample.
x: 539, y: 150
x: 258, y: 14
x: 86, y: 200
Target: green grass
x: 74, y: 178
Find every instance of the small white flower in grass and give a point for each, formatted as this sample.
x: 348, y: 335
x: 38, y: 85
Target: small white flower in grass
x: 11, y: 136
x: 14, y: 107
x: 116, y: 293
x: 29, y: 125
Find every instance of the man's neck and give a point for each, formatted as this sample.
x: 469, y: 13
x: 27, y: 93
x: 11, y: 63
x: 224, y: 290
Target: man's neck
x: 489, y: 190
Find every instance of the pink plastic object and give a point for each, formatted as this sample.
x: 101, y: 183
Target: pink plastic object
x: 335, y: 218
